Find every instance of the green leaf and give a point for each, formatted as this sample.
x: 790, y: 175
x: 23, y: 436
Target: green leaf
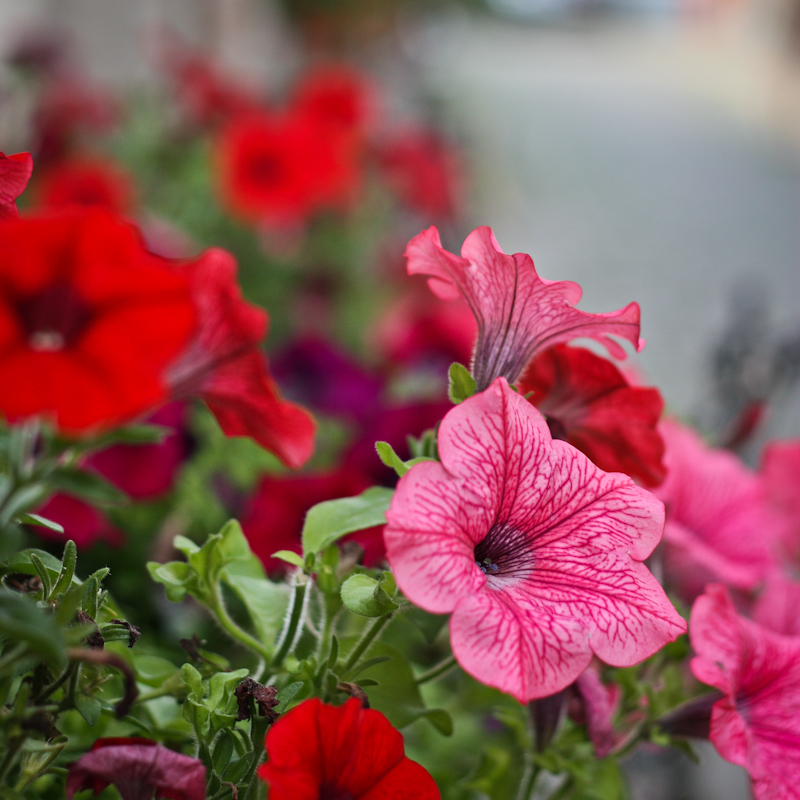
x: 68, y: 562
x: 365, y: 596
x: 238, y: 769
x: 223, y: 750
x: 152, y: 670
x: 175, y: 576
x: 22, y: 562
x: 266, y: 602
x: 462, y: 384
x: 286, y: 695
x: 131, y: 434
x: 87, y: 485
x: 88, y: 707
x: 326, y: 522
x: 391, y: 459
x: 21, y: 620
x: 333, y: 656
x: 193, y: 681
x: 23, y: 499
x: 290, y: 557
x: 35, y: 519
x: 44, y: 576
x: 429, y: 625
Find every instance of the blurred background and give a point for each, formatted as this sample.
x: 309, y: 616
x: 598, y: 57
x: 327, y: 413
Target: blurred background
x: 647, y: 149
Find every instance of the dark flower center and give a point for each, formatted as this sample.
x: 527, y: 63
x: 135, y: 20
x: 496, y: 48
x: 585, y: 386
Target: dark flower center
x: 557, y: 428
x: 505, y: 552
x: 266, y: 168
x: 329, y: 791
x: 53, y: 318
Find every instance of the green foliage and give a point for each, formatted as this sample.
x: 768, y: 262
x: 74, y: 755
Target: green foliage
x: 367, y: 596
x: 462, y: 385
x: 391, y: 459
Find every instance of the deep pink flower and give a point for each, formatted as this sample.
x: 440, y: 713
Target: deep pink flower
x: 595, y: 707
x: 225, y: 366
x: 588, y: 402
x: 519, y: 314
x: 778, y: 604
x: 719, y: 523
x: 140, y: 769
x: 780, y: 473
x: 535, y: 551
x: 15, y: 172
x: 755, y: 724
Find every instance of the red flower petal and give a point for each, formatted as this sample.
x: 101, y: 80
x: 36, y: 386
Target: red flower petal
x: 139, y: 768
x: 86, y: 182
x: 588, y: 402
x: 15, y: 172
x: 318, y: 751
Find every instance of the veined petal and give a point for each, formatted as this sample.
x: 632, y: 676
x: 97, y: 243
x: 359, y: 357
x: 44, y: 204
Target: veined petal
x: 15, y: 172
x: 518, y: 313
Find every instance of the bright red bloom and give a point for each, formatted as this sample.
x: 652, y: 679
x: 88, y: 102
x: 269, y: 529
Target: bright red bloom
x: 140, y: 769
x: 519, y: 314
x: 755, y: 724
x: 588, y: 403
x: 322, y: 752
x: 334, y: 96
x: 276, y: 512
x: 535, y: 551
x: 89, y: 320
x: 15, y: 172
x: 226, y: 367
x: 720, y: 525
x: 425, y: 172
x: 86, y: 182
x: 280, y: 169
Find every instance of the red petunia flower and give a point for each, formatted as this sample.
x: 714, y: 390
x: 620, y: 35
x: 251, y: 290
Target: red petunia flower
x: 323, y: 752
x: 280, y: 169
x: 225, y: 366
x: 424, y: 171
x: 588, y: 403
x: 276, y: 512
x: 82, y: 523
x: 140, y: 769
x: 86, y: 182
x: 15, y: 172
x: 89, y: 320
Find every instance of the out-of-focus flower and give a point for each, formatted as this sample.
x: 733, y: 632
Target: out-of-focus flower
x: 82, y: 523
x: 780, y: 474
x: 425, y: 172
x: 140, y: 769
x: 535, y: 551
x: 755, y: 724
x: 594, y: 705
x: 15, y: 172
x: 318, y: 751
x: 89, y: 320
x: 335, y: 97
x: 225, y: 366
x: 314, y: 372
x: 86, y: 182
x: 274, y: 518
x: 778, y: 603
x: 588, y: 403
x: 519, y: 314
x: 719, y: 523
x: 279, y: 170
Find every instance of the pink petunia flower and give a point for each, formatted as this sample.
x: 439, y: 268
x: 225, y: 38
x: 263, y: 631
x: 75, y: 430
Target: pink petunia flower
x: 15, y: 172
x: 519, y: 314
x: 777, y: 605
x: 780, y: 473
x: 755, y: 724
x: 535, y: 551
x: 225, y: 366
x: 719, y: 523
x: 595, y: 707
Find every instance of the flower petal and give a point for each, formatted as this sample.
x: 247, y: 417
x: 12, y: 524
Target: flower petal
x: 15, y: 172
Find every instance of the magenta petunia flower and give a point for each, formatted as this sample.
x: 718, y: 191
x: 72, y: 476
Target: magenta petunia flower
x: 15, y: 172
x: 518, y: 313
x: 535, y: 550
x: 755, y: 723
x: 720, y: 525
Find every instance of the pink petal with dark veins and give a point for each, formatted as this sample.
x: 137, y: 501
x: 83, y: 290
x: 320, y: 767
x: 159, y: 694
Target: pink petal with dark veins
x: 534, y: 549
x: 15, y: 172
x: 518, y: 313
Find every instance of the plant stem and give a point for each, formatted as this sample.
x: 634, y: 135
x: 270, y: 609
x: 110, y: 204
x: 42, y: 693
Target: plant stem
x: 528, y: 781
x: 59, y: 681
x: 10, y: 757
x: 258, y: 729
x: 292, y: 626
x: 434, y: 672
x: 242, y: 636
x: 370, y: 632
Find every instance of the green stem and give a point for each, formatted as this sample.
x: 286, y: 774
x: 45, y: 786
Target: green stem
x: 242, y: 636
x: 10, y: 757
x: 528, y: 781
x: 370, y: 632
x: 155, y: 694
x: 57, y: 683
x: 434, y: 672
x: 13, y: 654
x: 292, y: 625
x: 258, y: 729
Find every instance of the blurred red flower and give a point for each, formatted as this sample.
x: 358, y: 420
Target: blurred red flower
x: 86, y: 182
x: 317, y: 751
x: 15, y: 172
x: 334, y: 96
x: 274, y: 518
x: 280, y: 169
x: 90, y: 323
x: 82, y: 523
x: 224, y: 364
x: 140, y: 769
x: 588, y: 403
x: 424, y: 171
